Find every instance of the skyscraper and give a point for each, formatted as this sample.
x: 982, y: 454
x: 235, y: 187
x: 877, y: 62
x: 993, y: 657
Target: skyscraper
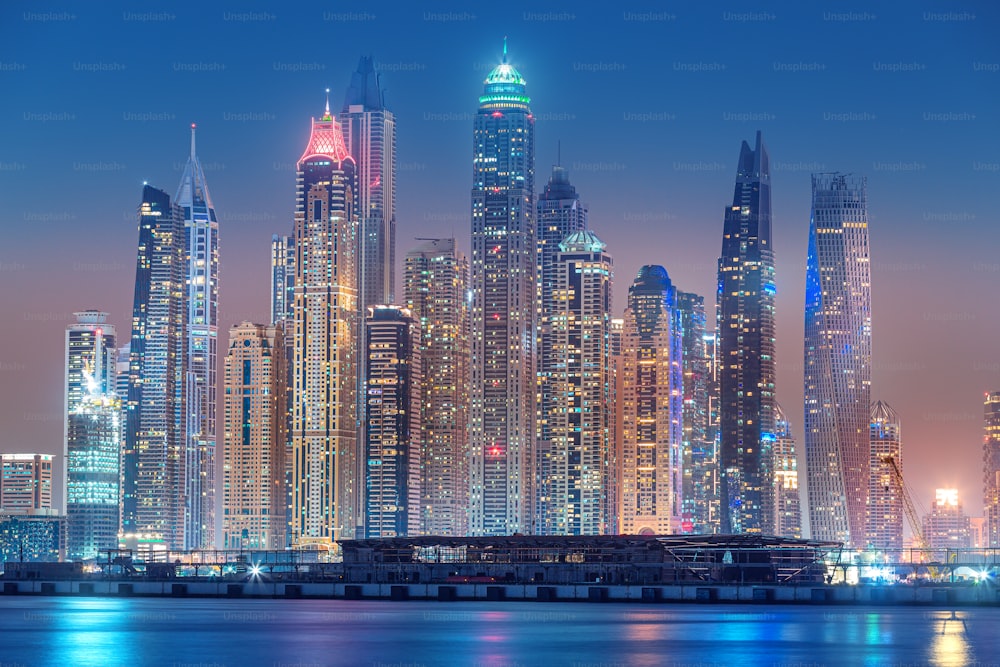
x: 991, y: 468
x: 93, y: 437
x: 154, y: 462
x: 615, y: 333
x: 745, y: 328
x: 369, y: 130
x: 786, y: 501
x: 573, y: 462
x: 885, y: 503
x: 502, y: 413
x: 202, y: 335
x: 326, y: 478
x: 253, y: 485
x: 392, y: 423
x: 946, y: 526
x: 700, y: 464
x: 435, y: 281
x: 652, y: 407
x: 838, y: 360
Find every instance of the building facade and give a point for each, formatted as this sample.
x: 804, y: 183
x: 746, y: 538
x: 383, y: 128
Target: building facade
x: 369, y: 130
x: 392, y: 423
x: 745, y: 338
x: 838, y: 360
x: 572, y: 464
x: 991, y: 467
x: 154, y: 472
x: 253, y: 471
x: 435, y: 284
x: 946, y: 526
x: 502, y: 402
x: 698, y: 450
x: 25, y: 482
x: 202, y: 259
x: 787, y: 504
x: 282, y: 277
x: 326, y: 475
x: 885, y: 501
x: 652, y: 407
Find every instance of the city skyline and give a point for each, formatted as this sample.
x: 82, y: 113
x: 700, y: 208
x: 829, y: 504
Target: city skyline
x: 685, y: 225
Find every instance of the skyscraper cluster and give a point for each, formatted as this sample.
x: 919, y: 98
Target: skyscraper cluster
x: 502, y: 392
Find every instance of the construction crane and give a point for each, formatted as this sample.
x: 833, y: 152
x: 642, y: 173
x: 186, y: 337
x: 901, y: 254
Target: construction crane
x: 908, y: 508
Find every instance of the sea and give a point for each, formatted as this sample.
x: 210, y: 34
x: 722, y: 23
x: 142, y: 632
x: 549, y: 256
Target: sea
x: 107, y: 632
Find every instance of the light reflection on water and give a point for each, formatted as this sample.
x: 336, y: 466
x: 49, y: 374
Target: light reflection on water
x: 135, y: 631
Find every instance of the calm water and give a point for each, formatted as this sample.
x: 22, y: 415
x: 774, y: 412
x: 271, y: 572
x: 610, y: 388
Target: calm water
x: 296, y: 633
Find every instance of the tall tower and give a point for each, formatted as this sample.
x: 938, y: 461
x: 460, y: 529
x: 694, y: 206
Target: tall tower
x: 786, y: 501
x: 745, y: 326
x: 652, y: 393
x: 202, y: 335
x: 254, y: 494
x: 435, y: 281
x: 92, y: 450
x: 326, y: 477
x: 370, y: 136
x: 573, y: 463
x: 154, y: 481
x: 559, y: 214
x: 502, y: 414
x: 615, y: 334
x: 885, y: 503
x: 991, y: 468
x: 698, y: 444
x: 838, y: 349
x: 392, y: 423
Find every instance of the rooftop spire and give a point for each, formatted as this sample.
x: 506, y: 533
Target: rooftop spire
x: 193, y: 126
x: 326, y: 114
x: 505, y: 48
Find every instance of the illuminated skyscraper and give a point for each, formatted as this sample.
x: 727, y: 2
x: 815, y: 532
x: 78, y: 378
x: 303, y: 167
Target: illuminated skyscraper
x: 154, y: 463
x: 615, y: 334
x: 786, y: 501
x: 326, y: 479
x: 652, y: 407
x: 946, y: 526
x: 435, y: 282
x: 573, y: 462
x: 369, y: 130
x: 392, y: 423
x: 253, y: 484
x: 202, y: 340
x: 700, y: 464
x: 885, y: 503
x: 93, y: 437
x: 745, y: 329
x: 991, y: 468
x: 838, y: 349
x: 502, y: 413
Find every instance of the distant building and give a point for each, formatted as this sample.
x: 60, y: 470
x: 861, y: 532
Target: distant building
x: 253, y: 484
x: 652, y: 392
x: 885, y: 501
x: 991, y: 468
x: 977, y: 526
x: 435, y: 285
x: 783, y: 466
x: 700, y: 463
x: 282, y: 277
x: 392, y: 423
x: 617, y: 395
x: 25, y: 482
x: 946, y: 526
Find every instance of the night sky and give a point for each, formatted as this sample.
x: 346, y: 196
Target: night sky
x: 650, y: 102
